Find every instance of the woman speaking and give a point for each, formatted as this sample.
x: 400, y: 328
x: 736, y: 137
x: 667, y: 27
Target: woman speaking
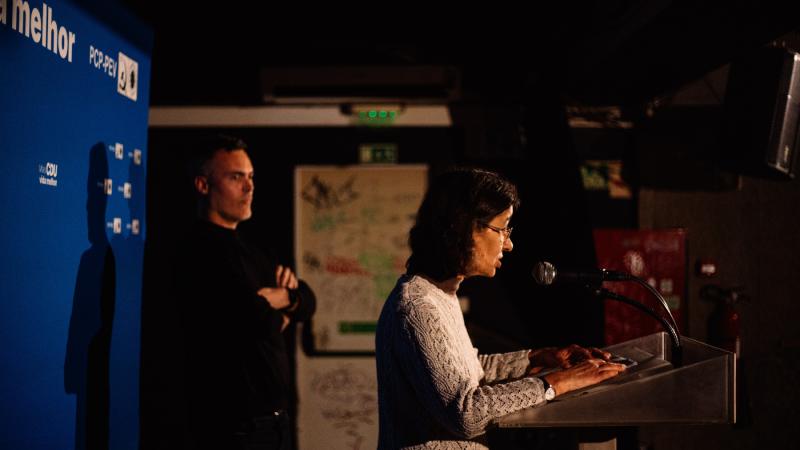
x: 434, y: 389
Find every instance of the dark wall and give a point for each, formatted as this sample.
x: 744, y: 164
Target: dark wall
x: 752, y: 234
x: 748, y: 226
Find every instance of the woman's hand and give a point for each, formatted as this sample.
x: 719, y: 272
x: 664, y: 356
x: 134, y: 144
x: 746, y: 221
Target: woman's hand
x: 587, y: 373
x: 552, y: 357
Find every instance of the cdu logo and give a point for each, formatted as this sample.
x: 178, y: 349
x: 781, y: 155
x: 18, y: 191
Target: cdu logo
x: 48, y: 174
x: 51, y: 170
x: 127, y: 76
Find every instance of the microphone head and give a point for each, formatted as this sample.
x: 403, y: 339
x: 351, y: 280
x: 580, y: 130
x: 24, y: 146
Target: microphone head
x: 544, y: 273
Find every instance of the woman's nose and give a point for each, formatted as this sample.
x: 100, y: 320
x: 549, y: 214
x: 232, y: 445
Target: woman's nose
x: 508, y: 245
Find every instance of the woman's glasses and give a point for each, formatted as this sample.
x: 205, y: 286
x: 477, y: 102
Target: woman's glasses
x: 504, y: 231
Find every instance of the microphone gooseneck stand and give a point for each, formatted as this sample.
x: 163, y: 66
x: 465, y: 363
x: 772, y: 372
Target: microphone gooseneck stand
x: 677, y: 349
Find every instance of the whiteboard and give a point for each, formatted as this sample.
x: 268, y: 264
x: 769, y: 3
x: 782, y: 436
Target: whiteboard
x: 337, y: 403
x: 351, y: 244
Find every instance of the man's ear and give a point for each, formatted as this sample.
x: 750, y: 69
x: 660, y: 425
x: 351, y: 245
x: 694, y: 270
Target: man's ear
x: 201, y: 184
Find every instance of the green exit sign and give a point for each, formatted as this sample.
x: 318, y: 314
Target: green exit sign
x: 378, y: 153
x: 375, y: 117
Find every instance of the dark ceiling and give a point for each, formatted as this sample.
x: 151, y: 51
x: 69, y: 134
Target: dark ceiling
x: 598, y: 52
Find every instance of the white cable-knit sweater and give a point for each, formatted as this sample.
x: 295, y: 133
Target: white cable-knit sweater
x: 434, y: 390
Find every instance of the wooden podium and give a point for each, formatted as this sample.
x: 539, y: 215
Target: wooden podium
x: 701, y: 391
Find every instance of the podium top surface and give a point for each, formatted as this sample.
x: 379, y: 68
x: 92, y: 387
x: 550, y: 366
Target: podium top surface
x: 701, y: 391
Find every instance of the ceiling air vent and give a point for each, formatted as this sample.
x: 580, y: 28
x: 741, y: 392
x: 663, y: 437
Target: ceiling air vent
x: 360, y: 84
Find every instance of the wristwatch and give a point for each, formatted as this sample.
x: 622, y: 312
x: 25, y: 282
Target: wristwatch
x: 549, y: 392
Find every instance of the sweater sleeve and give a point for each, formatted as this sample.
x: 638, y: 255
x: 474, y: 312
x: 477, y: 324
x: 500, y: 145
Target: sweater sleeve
x: 431, y: 362
x: 504, y: 366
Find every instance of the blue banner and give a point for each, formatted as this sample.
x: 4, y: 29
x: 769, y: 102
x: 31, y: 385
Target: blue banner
x: 73, y: 131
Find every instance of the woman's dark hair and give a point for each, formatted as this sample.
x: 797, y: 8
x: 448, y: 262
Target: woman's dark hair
x: 456, y: 202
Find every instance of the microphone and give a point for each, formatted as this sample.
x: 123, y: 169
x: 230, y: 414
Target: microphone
x: 545, y: 274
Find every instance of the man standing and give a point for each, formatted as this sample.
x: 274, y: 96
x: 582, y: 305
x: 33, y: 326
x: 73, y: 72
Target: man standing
x: 235, y: 304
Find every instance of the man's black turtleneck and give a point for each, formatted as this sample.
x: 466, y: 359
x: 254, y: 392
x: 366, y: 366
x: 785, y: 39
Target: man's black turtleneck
x: 236, y: 360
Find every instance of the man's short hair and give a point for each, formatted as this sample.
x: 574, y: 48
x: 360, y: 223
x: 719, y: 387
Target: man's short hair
x: 455, y: 203
x: 203, y: 152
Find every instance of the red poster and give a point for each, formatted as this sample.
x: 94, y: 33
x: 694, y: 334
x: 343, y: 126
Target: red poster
x: 656, y: 256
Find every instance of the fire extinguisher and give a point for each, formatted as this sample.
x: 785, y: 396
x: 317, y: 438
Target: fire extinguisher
x: 723, y: 331
x: 723, y: 323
